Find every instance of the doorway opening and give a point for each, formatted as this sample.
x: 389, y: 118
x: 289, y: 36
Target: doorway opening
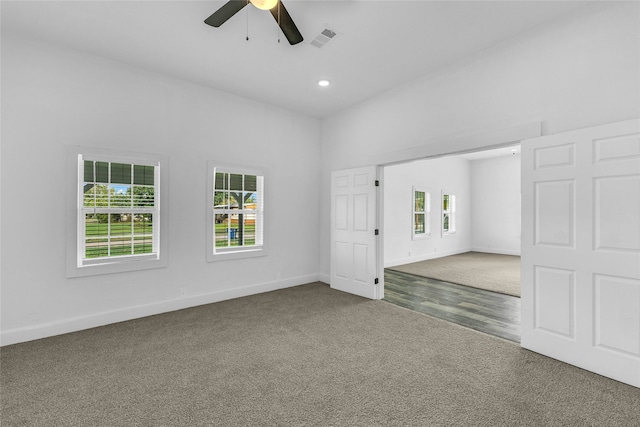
x: 452, y: 238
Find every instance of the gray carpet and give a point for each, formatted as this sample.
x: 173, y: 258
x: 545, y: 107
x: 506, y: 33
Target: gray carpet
x: 493, y: 272
x: 305, y: 356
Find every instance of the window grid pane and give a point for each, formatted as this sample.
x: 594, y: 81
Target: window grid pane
x: 120, y: 173
x: 221, y: 181
x: 96, y: 235
x: 143, y: 175
x: 418, y: 224
x: 221, y: 227
x: 120, y: 195
x: 419, y: 201
x: 235, y: 181
x: 143, y: 196
x: 235, y: 231
x: 250, y: 183
x: 121, y: 235
x: 101, y: 172
x: 142, y: 233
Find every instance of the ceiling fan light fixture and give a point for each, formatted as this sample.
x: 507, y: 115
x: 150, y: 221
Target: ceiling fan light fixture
x: 264, y: 4
x: 275, y: 7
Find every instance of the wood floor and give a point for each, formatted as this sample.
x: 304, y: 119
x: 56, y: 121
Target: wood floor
x: 485, y: 311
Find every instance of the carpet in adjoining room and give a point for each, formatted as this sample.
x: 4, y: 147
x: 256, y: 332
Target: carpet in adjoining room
x: 493, y: 272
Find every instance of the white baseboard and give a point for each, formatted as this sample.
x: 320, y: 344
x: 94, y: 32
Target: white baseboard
x: 324, y: 278
x: 497, y: 251
x: 424, y: 257
x: 74, y: 324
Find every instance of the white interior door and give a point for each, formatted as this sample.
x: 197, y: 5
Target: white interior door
x: 354, y: 235
x: 581, y: 248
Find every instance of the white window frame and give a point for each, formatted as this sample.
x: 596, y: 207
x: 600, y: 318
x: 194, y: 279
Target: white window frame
x: 451, y: 211
x: 426, y: 213
x: 77, y: 264
x: 236, y: 252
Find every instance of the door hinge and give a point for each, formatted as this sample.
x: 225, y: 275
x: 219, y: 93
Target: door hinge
x: 375, y: 282
x: 377, y: 183
x: 376, y: 232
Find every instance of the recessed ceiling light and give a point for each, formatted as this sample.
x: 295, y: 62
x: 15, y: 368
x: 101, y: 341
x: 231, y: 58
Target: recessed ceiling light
x: 324, y: 83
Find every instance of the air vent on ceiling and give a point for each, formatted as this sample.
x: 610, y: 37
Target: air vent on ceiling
x: 322, y: 38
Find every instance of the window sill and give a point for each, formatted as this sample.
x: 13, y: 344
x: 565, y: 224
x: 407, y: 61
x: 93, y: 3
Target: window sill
x: 424, y: 236
x: 119, y: 260
x: 237, y: 254
x: 116, y: 266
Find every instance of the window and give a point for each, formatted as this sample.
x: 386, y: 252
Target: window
x: 448, y: 213
x: 421, y: 214
x: 235, y: 212
x: 117, y: 218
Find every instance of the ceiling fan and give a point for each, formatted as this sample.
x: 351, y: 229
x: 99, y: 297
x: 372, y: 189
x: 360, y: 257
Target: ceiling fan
x: 276, y: 8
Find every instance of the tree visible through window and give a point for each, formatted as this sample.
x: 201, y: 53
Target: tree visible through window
x: 117, y: 198
x: 421, y: 209
x: 448, y: 213
x: 237, y: 211
x: 119, y: 209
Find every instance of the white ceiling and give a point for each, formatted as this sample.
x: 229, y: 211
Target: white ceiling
x: 380, y: 44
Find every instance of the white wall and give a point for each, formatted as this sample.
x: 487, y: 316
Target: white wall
x: 449, y: 174
x: 52, y: 97
x: 495, y: 205
x: 577, y: 72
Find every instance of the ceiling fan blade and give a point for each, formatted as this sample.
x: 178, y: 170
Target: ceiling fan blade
x: 287, y: 26
x: 221, y: 15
